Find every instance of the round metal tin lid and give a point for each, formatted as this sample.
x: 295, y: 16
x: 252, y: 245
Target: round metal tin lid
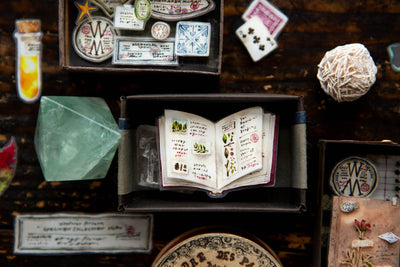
x: 354, y: 177
x: 216, y: 249
x: 93, y: 39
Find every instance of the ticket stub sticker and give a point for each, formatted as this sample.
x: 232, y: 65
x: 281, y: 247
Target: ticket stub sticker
x: 72, y: 233
x: 126, y: 19
x: 93, y: 39
x: 144, y: 51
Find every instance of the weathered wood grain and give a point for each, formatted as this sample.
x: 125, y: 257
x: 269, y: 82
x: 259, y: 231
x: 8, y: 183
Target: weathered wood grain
x: 314, y: 27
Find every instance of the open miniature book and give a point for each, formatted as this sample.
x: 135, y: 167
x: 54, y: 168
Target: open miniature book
x: 237, y: 151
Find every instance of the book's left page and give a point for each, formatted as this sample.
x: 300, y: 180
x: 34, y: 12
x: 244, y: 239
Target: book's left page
x: 187, y: 147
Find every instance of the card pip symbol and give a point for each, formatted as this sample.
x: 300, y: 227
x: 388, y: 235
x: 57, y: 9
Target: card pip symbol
x: 256, y: 39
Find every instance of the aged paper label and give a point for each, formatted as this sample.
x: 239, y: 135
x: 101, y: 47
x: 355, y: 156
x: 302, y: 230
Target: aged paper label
x: 125, y: 18
x: 144, y: 51
x: 180, y: 9
x: 70, y: 233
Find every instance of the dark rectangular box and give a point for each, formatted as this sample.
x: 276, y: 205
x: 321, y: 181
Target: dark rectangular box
x: 382, y: 154
x: 70, y: 60
x: 289, y: 193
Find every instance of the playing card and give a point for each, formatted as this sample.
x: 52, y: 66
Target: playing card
x: 273, y: 18
x: 256, y: 38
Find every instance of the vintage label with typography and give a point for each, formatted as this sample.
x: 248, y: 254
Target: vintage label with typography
x: 93, y: 39
x: 71, y: 233
x: 144, y: 51
x: 125, y: 18
x: 216, y: 249
x: 180, y: 9
x: 109, y: 6
x: 354, y: 177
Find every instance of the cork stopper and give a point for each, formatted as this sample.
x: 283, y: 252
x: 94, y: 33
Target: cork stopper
x: 28, y: 26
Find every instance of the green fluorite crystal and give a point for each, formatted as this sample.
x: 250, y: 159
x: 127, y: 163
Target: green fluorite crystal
x: 76, y: 138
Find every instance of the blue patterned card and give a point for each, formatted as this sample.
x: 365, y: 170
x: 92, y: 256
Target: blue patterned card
x: 192, y: 38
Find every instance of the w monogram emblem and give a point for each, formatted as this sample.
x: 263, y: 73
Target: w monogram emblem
x: 94, y: 39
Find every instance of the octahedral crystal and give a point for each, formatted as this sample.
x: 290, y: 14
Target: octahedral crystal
x: 76, y: 138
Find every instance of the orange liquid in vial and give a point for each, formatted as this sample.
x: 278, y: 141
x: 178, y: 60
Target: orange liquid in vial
x: 29, y: 80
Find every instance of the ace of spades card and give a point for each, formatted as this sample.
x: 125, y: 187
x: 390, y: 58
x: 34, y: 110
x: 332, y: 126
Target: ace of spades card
x: 256, y: 38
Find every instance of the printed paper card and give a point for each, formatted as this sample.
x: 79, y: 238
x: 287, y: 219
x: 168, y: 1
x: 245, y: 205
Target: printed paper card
x: 272, y: 18
x: 71, y: 233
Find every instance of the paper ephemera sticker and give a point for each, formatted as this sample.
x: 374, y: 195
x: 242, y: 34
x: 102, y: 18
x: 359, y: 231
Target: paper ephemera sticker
x: 73, y: 233
x: 354, y: 177
x: 126, y: 19
x: 193, y: 38
x: 174, y: 10
x: 109, y: 6
x: 272, y: 18
x: 93, y: 39
x: 256, y: 38
x: 144, y: 51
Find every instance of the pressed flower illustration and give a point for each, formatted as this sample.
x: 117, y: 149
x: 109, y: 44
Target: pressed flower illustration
x: 229, y: 153
x: 355, y: 258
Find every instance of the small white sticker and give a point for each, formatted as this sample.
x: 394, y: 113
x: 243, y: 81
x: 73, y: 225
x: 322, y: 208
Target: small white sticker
x: 126, y: 19
x: 389, y: 237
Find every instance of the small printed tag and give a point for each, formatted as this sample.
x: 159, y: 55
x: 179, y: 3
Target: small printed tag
x: 272, y: 18
x: 357, y: 243
x: 125, y: 18
x: 109, y: 6
x: 78, y: 233
x: 256, y: 38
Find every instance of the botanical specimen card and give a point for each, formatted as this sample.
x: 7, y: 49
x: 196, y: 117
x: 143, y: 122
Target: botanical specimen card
x: 234, y: 152
x: 364, y: 232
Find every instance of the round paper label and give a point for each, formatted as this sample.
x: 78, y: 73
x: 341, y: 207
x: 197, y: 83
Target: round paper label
x: 160, y: 30
x: 354, y: 177
x: 93, y: 39
x: 216, y: 249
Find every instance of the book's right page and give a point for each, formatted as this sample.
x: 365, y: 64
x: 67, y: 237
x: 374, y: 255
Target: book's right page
x: 364, y: 232
x: 264, y: 176
x: 239, y: 145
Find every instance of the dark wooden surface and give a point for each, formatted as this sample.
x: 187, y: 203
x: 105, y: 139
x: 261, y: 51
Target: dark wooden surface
x: 314, y: 27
